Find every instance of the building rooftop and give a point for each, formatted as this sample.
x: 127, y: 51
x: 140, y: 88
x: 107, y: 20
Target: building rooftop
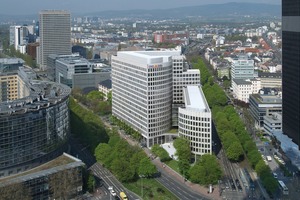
x: 65, y: 161
x: 106, y: 83
x: 71, y: 60
x: 242, y: 82
x: 43, y: 94
x: 267, y: 98
x: 11, y: 60
x: 147, y: 57
x: 194, y: 98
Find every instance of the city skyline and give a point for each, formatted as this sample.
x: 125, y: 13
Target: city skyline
x: 76, y: 6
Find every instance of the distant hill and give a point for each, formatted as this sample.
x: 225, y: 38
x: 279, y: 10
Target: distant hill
x: 227, y: 11
x: 211, y: 10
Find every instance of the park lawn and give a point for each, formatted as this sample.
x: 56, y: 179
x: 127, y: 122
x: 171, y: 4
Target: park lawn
x: 173, y: 164
x: 152, y: 190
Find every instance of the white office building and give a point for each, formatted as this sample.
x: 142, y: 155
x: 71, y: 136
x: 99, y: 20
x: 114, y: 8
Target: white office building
x: 242, y: 89
x: 142, y: 92
x: 17, y: 37
x: 194, y: 121
x: 182, y: 76
x: 147, y: 91
x: 242, y: 68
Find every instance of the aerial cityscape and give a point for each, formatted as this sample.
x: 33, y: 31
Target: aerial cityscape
x: 154, y: 100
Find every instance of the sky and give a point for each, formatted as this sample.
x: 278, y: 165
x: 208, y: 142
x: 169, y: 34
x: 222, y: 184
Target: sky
x: 19, y: 7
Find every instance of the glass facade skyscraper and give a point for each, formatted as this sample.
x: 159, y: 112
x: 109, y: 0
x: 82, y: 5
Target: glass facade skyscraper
x: 290, y: 68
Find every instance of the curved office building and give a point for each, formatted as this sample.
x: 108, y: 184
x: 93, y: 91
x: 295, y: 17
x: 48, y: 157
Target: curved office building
x: 34, y: 128
x: 194, y: 121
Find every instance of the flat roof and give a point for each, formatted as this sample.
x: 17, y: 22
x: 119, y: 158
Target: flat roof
x: 194, y: 98
x: 65, y: 161
x: 242, y: 82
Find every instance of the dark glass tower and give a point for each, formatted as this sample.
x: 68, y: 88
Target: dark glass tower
x: 290, y: 68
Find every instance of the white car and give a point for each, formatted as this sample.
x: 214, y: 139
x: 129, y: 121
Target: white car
x: 113, y: 193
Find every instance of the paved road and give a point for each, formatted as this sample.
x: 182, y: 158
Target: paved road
x: 168, y: 180
x: 99, y: 171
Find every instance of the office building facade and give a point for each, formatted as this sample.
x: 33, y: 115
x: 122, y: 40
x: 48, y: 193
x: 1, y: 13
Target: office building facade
x: 261, y: 105
x: 147, y: 90
x: 242, y: 68
x: 55, y: 34
x: 194, y: 121
x: 142, y: 92
x: 290, y: 69
x: 34, y: 127
x: 66, y: 67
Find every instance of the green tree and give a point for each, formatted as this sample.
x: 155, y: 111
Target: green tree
x: 103, y: 152
x: 95, y: 95
x: 206, y: 171
x: 183, y: 152
x: 226, y: 84
x: 122, y: 170
x: 146, y: 168
x: 91, y: 183
x: 235, y: 151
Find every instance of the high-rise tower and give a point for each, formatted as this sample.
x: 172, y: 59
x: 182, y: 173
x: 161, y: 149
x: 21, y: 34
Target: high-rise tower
x: 55, y: 34
x: 290, y: 68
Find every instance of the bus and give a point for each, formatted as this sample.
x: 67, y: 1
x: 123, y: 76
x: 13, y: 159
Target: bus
x: 283, y: 188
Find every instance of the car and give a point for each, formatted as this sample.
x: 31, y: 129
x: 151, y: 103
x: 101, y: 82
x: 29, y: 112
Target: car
x: 113, y: 193
x: 275, y: 175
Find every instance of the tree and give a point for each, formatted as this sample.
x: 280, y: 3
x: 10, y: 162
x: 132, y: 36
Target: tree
x: 160, y: 152
x: 91, y: 183
x: 206, y: 171
x: 122, y: 170
x: 235, y: 151
x: 109, y: 97
x: 146, y: 168
x: 103, y: 152
x: 261, y: 167
x: 254, y: 157
x: 183, y: 151
x: 95, y: 95
x: 226, y: 84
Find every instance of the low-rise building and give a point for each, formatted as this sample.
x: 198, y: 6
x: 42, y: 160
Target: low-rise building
x: 264, y: 105
x: 65, y: 68
x: 105, y: 87
x: 272, y: 123
x: 243, y: 88
x: 270, y: 80
x: 60, y: 177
